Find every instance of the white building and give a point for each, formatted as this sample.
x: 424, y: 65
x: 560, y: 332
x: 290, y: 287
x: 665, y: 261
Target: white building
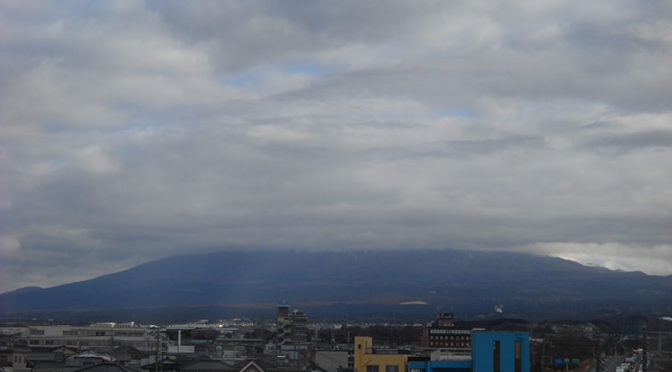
x: 94, y: 336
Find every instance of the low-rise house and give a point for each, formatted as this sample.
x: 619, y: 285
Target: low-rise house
x: 15, y: 357
x: 128, y: 355
x: 86, y: 359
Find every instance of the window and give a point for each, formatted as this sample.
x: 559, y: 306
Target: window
x: 517, y: 359
x: 391, y: 368
x: 372, y: 368
x: 37, y: 332
x: 496, y: 366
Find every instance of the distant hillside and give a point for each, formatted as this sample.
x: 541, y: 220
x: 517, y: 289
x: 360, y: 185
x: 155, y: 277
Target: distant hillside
x: 344, y: 284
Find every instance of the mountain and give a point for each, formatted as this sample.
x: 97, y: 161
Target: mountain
x: 348, y: 283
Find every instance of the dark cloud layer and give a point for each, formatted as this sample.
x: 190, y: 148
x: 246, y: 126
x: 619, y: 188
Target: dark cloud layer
x: 131, y: 131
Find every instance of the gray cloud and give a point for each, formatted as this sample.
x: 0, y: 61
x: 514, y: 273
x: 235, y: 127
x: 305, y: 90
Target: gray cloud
x: 137, y: 130
x: 631, y: 141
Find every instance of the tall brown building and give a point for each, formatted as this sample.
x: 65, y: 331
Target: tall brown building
x: 443, y: 334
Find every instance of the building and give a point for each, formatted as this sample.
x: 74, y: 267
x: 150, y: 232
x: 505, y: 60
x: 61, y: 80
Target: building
x: 443, y: 334
x: 441, y: 366
x: 368, y: 359
x: 15, y: 357
x: 490, y: 352
x: 501, y: 351
x: 291, y: 336
x: 96, y: 336
x: 292, y: 327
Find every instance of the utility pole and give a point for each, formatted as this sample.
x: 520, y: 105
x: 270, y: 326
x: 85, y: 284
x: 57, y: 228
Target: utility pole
x: 156, y: 357
x: 645, y: 349
x: 596, y: 353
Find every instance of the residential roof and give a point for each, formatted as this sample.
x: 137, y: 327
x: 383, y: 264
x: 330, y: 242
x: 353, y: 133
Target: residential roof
x: 206, y: 365
x: 65, y: 347
x: 53, y: 366
x: 106, y: 367
x: 49, y: 356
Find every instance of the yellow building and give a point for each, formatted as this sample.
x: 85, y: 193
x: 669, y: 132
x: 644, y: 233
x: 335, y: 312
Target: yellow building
x: 367, y: 360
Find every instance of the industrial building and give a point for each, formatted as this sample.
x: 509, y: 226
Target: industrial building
x: 95, y: 336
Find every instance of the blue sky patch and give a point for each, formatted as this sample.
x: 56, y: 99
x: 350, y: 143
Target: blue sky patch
x: 305, y: 68
x: 456, y: 112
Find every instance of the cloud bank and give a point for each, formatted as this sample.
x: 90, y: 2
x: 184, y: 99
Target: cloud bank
x: 134, y: 130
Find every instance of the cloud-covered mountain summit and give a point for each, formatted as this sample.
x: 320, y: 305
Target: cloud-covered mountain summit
x: 470, y: 282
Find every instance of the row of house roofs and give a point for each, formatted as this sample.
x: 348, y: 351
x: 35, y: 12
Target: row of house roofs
x: 126, y: 359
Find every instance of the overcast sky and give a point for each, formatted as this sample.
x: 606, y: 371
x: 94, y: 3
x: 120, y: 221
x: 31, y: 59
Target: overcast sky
x: 135, y: 130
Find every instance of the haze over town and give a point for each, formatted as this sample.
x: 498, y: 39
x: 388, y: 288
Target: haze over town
x: 136, y: 130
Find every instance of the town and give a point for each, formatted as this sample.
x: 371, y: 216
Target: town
x: 290, y: 342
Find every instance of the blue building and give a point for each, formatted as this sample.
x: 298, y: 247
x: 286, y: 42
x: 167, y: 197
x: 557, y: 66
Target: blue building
x: 500, y: 351
x: 490, y: 352
x: 440, y: 366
